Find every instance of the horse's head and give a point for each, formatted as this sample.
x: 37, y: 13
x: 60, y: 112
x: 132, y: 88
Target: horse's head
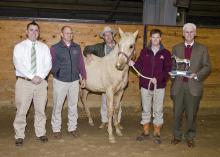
x: 126, y: 48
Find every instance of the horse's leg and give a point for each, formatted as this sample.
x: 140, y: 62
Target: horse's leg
x: 117, y: 105
x: 83, y: 97
x: 119, y: 117
x: 109, y: 95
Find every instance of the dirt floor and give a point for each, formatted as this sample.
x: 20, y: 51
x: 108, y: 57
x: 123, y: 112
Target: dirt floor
x: 93, y: 142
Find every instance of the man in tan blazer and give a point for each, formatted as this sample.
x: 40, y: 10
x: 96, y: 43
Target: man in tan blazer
x: 186, y: 92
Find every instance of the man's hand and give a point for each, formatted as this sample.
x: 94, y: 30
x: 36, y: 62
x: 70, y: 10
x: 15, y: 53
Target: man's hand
x: 193, y: 76
x: 82, y: 83
x: 36, y: 80
x: 131, y: 63
x: 89, y: 58
x: 154, y: 80
x: 171, y: 75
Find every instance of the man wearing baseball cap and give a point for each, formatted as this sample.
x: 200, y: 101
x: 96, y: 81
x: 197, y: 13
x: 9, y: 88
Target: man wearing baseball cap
x: 101, y: 50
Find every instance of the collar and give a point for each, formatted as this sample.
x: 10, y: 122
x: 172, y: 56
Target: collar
x: 63, y: 44
x: 31, y: 42
x: 155, y: 48
x: 191, y: 44
x: 109, y: 46
x: 160, y: 48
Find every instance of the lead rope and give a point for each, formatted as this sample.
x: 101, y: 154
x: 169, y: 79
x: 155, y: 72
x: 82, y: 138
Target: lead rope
x: 148, y: 78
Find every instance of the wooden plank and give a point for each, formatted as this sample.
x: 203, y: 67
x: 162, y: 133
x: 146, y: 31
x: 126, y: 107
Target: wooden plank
x: 13, y: 31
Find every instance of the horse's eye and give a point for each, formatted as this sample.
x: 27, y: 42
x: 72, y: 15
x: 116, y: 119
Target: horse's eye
x: 131, y: 46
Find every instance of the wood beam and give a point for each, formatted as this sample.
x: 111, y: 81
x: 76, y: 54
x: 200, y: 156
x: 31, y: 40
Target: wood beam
x: 74, y: 7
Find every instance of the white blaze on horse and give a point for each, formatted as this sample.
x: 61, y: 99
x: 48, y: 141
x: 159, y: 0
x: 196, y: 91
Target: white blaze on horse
x: 110, y: 75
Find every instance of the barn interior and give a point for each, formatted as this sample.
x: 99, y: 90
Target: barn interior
x: 88, y: 18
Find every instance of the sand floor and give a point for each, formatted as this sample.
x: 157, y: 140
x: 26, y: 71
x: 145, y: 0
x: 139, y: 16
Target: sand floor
x: 93, y: 142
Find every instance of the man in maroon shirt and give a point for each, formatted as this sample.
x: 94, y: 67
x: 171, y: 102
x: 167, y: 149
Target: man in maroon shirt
x: 186, y: 92
x: 154, y: 62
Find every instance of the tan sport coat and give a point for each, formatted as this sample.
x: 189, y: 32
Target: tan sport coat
x: 199, y: 64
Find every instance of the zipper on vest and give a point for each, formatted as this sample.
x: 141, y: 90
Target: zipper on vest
x: 70, y: 64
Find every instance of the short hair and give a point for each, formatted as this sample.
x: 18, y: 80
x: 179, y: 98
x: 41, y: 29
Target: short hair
x: 32, y: 23
x: 189, y: 25
x: 155, y: 31
x: 62, y: 29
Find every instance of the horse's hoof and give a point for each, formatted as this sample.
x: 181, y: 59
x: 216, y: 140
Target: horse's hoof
x: 120, y: 127
x: 103, y: 125
x: 91, y: 123
x: 112, y: 140
x: 119, y: 133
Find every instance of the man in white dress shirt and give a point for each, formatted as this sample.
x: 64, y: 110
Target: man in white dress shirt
x: 32, y: 61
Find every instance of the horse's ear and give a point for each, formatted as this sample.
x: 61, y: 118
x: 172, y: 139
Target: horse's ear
x: 135, y: 34
x: 120, y: 32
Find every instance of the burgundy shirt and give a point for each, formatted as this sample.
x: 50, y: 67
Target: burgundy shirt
x: 188, y: 51
x: 187, y: 54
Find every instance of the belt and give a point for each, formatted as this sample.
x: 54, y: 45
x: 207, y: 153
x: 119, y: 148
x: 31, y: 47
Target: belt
x: 24, y: 78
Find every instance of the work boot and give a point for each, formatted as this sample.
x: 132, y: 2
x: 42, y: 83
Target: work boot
x: 145, y: 134
x: 157, y: 139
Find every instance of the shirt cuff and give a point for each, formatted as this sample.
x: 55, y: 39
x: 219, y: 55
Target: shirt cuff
x: 196, y: 78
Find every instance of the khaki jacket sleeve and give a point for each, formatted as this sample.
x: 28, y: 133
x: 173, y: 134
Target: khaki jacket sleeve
x: 206, y: 66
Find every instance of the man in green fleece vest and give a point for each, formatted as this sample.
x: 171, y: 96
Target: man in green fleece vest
x: 101, y: 50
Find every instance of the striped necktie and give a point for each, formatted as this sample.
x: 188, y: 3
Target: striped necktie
x: 33, y: 59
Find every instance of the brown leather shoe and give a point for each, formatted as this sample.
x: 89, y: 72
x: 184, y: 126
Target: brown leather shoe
x: 74, y: 133
x: 190, y: 143
x: 43, y: 139
x: 57, y: 135
x: 175, y: 141
x: 19, y: 142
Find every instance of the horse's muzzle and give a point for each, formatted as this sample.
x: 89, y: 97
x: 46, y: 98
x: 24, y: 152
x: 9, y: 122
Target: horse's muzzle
x: 120, y: 66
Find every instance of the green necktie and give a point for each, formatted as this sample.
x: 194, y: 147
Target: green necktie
x: 33, y: 59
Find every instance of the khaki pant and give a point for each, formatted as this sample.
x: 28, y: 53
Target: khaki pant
x: 61, y: 90
x: 155, y: 102
x: 25, y: 92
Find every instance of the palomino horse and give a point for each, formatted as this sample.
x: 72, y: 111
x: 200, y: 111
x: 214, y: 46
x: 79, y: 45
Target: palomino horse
x: 110, y: 75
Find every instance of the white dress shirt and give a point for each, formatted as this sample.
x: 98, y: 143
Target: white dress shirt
x: 155, y: 49
x: 22, y: 59
x: 191, y: 44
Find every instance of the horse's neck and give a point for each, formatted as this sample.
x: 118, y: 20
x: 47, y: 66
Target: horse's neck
x: 112, y: 59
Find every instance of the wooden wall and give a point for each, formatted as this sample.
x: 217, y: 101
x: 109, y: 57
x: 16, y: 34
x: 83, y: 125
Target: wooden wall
x: 13, y: 31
